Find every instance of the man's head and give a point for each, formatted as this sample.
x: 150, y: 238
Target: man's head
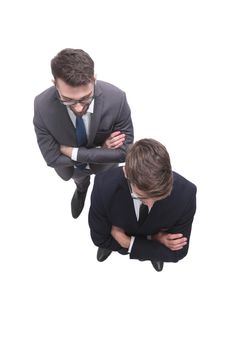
x: 148, y: 170
x: 74, y: 66
x: 73, y: 72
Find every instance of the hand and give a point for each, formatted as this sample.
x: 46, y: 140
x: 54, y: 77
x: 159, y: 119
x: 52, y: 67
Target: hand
x: 115, y: 140
x: 66, y: 150
x: 173, y: 241
x: 119, y: 235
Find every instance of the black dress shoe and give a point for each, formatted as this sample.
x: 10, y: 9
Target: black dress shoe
x: 158, y: 265
x: 102, y: 254
x: 77, y: 203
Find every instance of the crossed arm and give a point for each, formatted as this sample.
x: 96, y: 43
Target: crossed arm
x: 173, y: 241
x: 171, y: 245
x: 114, y: 141
x: 57, y: 154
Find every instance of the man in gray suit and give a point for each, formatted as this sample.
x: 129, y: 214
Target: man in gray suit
x: 83, y: 125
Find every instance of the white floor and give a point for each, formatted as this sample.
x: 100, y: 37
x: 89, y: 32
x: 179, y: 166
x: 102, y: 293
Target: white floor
x: 177, y: 66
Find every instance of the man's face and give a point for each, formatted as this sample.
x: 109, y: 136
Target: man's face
x: 142, y: 196
x: 76, y: 98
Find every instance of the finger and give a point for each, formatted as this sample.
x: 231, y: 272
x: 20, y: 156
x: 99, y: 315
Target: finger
x: 109, y: 146
x: 178, y: 246
x: 179, y: 241
x: 115, y: 133
x: 117, y: 138
x: 172, y: 236
x: 117, y: 141
x: 118, y: 145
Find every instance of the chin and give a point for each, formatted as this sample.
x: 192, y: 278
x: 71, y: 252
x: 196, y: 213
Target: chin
x: 79, y: 114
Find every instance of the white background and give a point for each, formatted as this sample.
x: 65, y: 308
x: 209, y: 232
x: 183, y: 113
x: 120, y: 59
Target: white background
x: 176, y: 61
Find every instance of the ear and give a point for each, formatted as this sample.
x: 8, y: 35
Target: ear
x: 54, y: 82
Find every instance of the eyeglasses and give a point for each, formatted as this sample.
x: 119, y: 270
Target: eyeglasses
x: 82, y: 101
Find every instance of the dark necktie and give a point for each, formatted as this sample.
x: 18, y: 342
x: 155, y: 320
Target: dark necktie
x: 143, y: 213
x: 81, y: 137
x: 81, y: 132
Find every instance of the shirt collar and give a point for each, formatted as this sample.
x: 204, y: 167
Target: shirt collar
x: 91, y: 107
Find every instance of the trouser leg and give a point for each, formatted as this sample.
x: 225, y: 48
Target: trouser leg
x: 82, y: 179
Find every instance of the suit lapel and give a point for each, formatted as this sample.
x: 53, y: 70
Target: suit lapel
x: 62, y: 123
x: 123, y: 215
x: 96, y: 117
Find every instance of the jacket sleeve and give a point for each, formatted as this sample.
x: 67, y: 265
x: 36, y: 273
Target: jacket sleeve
x: 145, y: 249
x: 99, y: 223
x: 49, y: 147
x: 124, y: 124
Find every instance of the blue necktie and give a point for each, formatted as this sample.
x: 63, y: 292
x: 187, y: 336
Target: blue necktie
x: 81, y: 132
x: 81, y: 138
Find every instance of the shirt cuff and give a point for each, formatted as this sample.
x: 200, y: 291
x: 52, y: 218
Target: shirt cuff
x: 132, y: 238
x: 74, y: 154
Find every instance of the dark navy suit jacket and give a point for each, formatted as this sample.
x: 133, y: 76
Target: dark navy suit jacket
x: 112, y: 204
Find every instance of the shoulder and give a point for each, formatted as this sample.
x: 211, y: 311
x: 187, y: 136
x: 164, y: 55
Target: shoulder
x: 182, y: 185
x: 110, y: 177
x: 183, y: 192
x: 47, y: 95
x: 107, y: 88
x: 182, y: 197
x: 47, y: 103
x: 107, y: 182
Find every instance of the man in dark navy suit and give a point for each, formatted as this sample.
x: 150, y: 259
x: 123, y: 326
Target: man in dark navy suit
x: 143, y: 209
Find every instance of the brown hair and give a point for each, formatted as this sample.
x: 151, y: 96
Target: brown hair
x: 74, y: 66
x: 148, y: 167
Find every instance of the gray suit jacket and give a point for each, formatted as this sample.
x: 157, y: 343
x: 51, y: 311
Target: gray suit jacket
x: 54, y: 127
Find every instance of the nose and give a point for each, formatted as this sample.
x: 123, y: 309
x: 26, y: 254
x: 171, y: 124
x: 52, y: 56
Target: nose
x: 148, y: 202
x: 78, y: 107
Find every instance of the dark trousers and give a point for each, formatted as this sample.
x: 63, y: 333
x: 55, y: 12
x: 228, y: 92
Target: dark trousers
x: 82, y: 177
